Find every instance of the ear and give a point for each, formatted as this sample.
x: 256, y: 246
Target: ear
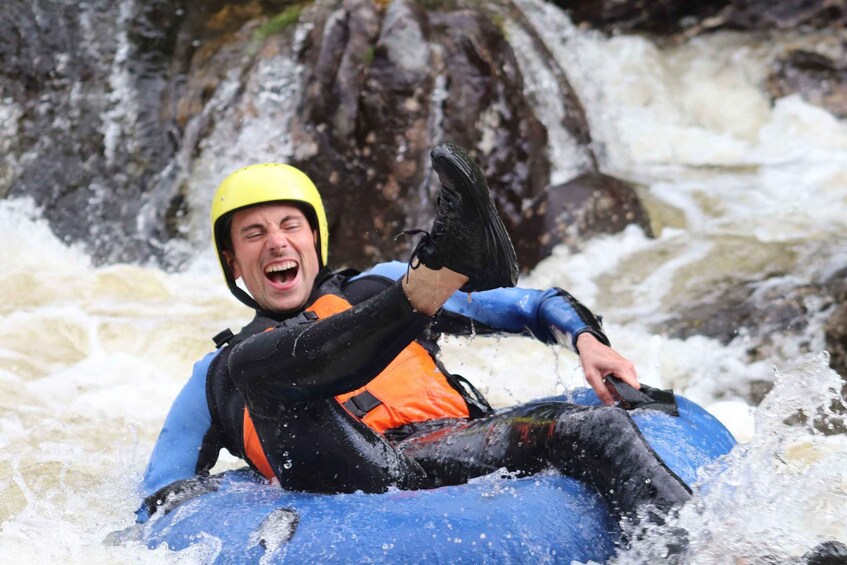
x: 229, y: 256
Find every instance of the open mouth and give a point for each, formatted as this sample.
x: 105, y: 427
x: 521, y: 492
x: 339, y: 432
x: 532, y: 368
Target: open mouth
x: 282, y: 273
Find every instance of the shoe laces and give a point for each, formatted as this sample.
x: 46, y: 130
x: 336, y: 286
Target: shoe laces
x: 411, y: 266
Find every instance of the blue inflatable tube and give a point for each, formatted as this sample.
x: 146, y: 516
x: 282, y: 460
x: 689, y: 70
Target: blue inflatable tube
x: 540, y: 519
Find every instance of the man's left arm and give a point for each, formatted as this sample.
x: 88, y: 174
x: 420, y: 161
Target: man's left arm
x: 551, y: 316
x: 544, y: 314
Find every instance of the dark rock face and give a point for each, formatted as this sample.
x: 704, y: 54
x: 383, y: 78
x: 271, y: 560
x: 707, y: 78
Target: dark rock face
x: 97, y: 90
x: 764, y: 311
x: 381, y: 89
x: 367, y: 115
x: 116, y: 99
x: 734, y: 310
x: 835, y: 332
x: 819, y: 79
x: 380, y: 96
x: 433, y: 76
x: 57, y: 68
x: 490, y: 97
x: 691, y: 16
x: 633, y: 15
x: 782, y: 14
x: 570, y: 213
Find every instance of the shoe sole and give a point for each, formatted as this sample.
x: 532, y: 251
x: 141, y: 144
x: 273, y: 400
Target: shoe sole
x: 458, y: 171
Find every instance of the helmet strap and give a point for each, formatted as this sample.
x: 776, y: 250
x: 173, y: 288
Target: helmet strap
x: 244, y: 297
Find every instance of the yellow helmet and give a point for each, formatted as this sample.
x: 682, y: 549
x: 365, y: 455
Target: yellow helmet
x: 260, y: 184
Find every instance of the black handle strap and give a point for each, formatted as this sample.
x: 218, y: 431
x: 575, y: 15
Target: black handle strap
x: 647, y: 397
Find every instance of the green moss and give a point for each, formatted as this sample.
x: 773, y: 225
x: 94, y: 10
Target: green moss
x: 450, y: 5
x: 286, y: 18
x: 499, y: 20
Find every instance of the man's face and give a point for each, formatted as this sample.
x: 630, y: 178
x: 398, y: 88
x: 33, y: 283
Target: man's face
x: 274, y: 254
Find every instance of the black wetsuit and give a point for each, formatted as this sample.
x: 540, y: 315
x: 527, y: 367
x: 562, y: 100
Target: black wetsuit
x: 288, y: 377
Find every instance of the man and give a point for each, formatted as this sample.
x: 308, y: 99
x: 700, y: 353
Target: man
x: 335, y: 386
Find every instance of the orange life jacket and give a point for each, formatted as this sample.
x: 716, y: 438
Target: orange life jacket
x: 410, y: 389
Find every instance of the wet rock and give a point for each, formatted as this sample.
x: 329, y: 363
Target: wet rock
x: 782, y: 14
x: 338, y: 59
x: 819, y: 79
x: 763, y: 312
x: 338, y: 66
x: 835, y: 332
x: 634, y: 15
x: 88, y: 81
x: 573, y: 212
x: 98, y: 89
x: 830, y: 552
x: 757, y: 390
x: 693, y: 17
x: 754, y: 311
x: 114, y: 135
x: 427, y: 76
x: 734, y: 309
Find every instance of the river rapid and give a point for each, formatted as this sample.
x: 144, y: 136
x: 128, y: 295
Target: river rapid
x: 91, y: 357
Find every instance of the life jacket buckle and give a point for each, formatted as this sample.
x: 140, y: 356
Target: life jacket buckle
x: 361, y: 404
x: 222, y: 338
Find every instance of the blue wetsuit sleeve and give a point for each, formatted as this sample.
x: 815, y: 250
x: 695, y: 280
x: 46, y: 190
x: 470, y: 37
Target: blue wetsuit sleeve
x: 542, y: 313
x: 392, y: 270
x: 177, y: 451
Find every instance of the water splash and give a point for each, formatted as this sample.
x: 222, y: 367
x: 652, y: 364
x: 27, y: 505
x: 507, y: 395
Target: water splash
x: 542, y: 85
x: 779, y: 496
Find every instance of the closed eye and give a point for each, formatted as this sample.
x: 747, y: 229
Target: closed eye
x: 291, y: 224
x: 252, y: 232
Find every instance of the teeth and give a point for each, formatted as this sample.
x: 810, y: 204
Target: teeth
x: 281, y: 267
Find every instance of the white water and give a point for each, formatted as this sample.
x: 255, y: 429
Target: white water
x: 90, y: 358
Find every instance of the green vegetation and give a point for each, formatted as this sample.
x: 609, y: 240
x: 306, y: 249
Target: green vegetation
x: 286, y: 18
x: 450, y: 5
x: 499, y: 20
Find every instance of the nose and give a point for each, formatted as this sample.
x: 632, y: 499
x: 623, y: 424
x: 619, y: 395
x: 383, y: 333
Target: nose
x: 277, y: 239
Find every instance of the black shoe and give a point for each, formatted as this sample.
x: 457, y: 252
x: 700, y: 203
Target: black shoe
x: 467, y: 234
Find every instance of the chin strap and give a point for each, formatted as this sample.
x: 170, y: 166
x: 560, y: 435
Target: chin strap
x: 243, y: 296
